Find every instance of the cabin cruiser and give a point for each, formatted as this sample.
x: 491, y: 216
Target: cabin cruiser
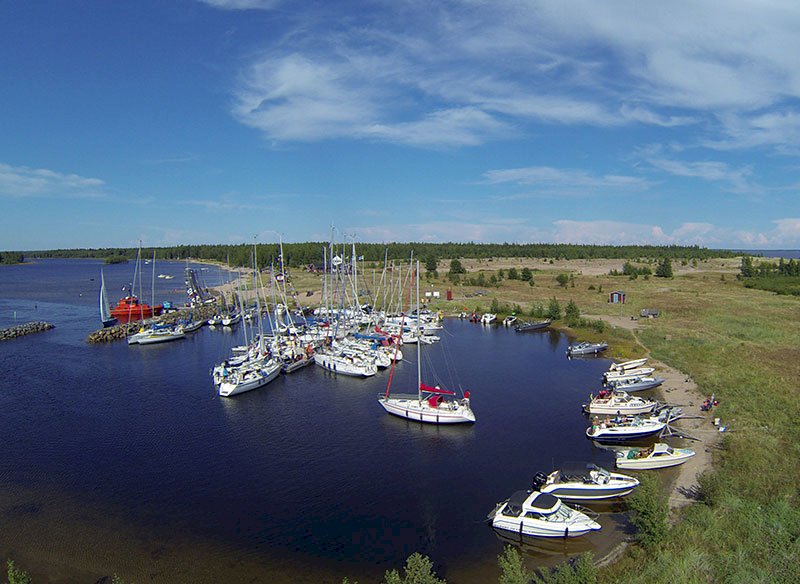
x: 587, y: 482
x: 659, y: 455
x: 586, y: 348
x: 536, y: 514
x: 617, y: 402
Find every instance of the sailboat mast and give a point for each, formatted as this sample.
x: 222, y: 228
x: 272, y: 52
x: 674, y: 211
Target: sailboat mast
x: 419, y: 361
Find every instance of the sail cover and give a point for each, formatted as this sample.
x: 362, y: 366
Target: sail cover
x: 430, y: 389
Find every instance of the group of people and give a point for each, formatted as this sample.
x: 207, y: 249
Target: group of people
x: 710, y: 402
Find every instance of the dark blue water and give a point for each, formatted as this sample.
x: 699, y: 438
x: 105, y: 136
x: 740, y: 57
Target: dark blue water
x: 308, y: 474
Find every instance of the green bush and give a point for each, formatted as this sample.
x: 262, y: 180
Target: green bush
x: 418, y: 570
x: 649, y: 507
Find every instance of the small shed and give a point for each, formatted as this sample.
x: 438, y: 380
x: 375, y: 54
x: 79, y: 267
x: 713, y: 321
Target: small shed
x: 616, y: 297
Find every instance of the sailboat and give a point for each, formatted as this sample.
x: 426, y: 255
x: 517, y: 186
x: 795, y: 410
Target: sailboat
x: 105, y: 307
x: 432, y: 405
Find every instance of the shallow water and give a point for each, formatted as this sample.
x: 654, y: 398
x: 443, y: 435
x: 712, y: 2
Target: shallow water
x: 307, y: 478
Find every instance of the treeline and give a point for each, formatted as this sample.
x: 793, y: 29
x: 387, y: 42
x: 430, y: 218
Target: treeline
x: 781, y: 277
x: 11, y: 257
x: 311, y: 253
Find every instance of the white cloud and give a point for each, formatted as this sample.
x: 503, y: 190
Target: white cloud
x: 22, y: 181
x: 414, y: 73
x: 560, y: 182
x: 242, y: 4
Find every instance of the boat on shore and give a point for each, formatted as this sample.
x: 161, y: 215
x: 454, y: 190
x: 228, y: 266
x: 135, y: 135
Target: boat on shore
x: 659, y: 455
x: 584, y: 482
x: 625, y: 365
x: 535, y: 514
x: 488, y: 318
x: 586, y: 348
x: 527, y: 327
x: 625, y: 428
x: 631, y: 384
x: 616, y: 402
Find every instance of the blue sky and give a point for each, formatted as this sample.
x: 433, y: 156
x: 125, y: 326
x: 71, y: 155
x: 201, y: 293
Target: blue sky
x: 217, y: 121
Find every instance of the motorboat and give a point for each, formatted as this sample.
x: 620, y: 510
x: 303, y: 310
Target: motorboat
x: 624, y: 428
x: 659, y: 455
x: 526, y: 327
x: 625, y: 365
x: 636, y: 383
x: 535, y: 514
x: 618, y: 402
x: 584, y: 482
x: 610, y: 376
x: 586, y: 348
x: 488, y: 318
x: 509, y: 320
x: 192, y: 325
x: 157, y: 333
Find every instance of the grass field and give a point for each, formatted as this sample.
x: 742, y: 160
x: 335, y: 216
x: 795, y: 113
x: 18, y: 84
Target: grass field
x: 738, y: 343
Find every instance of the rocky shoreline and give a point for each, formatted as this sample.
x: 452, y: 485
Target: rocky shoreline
x: 121, y: 331
x: 25, y: 329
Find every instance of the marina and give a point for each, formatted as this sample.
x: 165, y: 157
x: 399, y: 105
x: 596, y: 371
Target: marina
x: 153, y: 442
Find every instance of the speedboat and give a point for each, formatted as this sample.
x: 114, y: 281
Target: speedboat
x: 586, y: 348
x: 488, y: 318
x: 617, y: 402
x: 509, y: 320
x: 536, y: 514
x: 586, y: 482
x: 610, y: 376
x: 625, y: 365
x: 636, y: 383
x: 659, y: 455
x: 526, y: 327
x: 623, y: 428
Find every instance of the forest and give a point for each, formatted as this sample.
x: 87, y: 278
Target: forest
x: 313, y: 253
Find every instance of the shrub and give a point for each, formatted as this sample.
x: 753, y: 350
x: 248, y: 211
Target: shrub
x: 649, y: 512
x: 17, y: 576
x: 418, y: 570
x: 554, y: 309
x: 572, y: 314
x: 512, y: 570
x: 563, y: 280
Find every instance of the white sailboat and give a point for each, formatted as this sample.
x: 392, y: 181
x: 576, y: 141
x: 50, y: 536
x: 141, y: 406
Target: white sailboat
x: 105, y: 307
x: 429, y: 405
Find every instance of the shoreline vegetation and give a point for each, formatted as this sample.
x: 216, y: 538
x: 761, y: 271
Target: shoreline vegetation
x: 733, y: 514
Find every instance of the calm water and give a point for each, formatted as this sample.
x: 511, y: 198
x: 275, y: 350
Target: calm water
x: 308, y: 476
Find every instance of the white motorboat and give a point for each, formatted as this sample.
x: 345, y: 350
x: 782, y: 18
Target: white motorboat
x: 156, y: 334
x: 636, y: 383
x: 610, y: 376
x: 191, y: 326
x: 535, y: 514
x: 509, y: 320
x: 231, y: 320
x: 621, y: 429
x: 586, y: 348
x: 586, y: 482
x: 488, y: 318
x: 250, y: 377
x: 624, y: 366
x: 659, y: 455
x: 618, y: 403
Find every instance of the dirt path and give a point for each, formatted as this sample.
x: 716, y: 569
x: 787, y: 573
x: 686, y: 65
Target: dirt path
x: 681, y: 390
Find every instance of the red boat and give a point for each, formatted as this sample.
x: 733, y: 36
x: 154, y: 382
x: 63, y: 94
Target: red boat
x: 129, y: 309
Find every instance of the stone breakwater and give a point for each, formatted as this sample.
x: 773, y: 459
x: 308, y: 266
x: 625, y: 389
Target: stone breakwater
x: 25, y: 329
x: 121, y: 331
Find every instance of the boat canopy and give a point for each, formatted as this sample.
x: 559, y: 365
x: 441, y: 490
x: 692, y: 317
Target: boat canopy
x: 430, y: 389
x: 514, y: 505
x: 544, y: 502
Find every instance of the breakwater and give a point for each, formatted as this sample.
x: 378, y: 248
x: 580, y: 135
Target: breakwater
x: 25, y: 329
x: 121, y: 331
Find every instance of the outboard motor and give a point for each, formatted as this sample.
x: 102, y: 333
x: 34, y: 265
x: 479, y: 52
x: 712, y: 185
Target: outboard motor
x: 539, y: 480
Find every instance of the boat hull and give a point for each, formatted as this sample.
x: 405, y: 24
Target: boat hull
x: 576, y: 492
x: 531, y: 528
x: 228, y: 389
x: 411, y: 409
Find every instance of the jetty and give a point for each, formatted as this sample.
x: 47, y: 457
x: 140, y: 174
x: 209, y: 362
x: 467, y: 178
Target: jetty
x: 122, y: 331
x: 25, y: 329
